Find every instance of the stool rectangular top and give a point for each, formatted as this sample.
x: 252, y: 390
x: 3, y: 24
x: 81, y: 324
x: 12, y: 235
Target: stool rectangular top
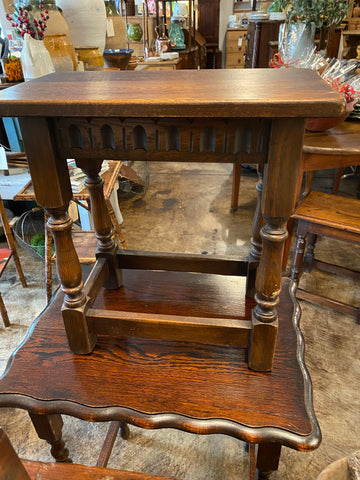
x: 185, y: 93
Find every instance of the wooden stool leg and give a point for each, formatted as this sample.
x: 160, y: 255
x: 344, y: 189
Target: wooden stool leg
x: 49, y: 428
x: 298, y: 260
x: 309, y: 255
x: 4, y: 312
x: 102, y: 223
x: 256, y: 242
x: 81, y: 339
x: 235, y: 186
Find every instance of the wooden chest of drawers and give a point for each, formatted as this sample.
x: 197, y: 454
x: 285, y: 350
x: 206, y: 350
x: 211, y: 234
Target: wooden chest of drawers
x: 235, y: 47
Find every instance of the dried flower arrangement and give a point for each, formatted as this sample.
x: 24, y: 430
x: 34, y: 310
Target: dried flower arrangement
x: 25, y: 22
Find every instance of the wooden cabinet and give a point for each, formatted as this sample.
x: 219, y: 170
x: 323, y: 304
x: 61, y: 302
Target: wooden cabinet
x: 260, y: 33
x: 208, y: 26
x: 235, y: 47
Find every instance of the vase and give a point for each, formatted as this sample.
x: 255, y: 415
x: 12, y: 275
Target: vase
x: 91, y: 58
x: 56, y: 24
x: 134, y: 32
x: 35, y: 58
x: 296, y: 41
x: 62, y: 52
x: 87, y: 22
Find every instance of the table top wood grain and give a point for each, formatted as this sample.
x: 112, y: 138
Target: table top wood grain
x: 162, y: 383
x: 185, y: 93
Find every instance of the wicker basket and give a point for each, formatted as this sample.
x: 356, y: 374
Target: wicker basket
x: 29, y: 224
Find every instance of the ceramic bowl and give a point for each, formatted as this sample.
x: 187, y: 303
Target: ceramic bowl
x: 117, y: 57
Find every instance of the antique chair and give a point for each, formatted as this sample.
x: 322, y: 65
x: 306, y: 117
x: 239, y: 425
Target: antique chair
x: 335, y: 148
x: 331, y: 216
x: 5, y: 255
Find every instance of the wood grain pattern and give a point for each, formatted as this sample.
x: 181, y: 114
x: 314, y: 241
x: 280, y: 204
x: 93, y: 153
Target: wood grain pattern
x: 59, y: 471
x: 330, y: 210
x: 190, y: 386
x: 203, y: 93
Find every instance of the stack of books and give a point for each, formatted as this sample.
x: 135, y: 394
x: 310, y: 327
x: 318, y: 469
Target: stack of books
x: 78, y: 177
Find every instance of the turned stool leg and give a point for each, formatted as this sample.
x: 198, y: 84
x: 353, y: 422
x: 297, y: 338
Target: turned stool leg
x: 49, y: 428
x: 102, y: 222
x: 256, y: 242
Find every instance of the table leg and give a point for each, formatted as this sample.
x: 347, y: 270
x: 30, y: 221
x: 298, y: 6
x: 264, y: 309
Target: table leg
x: 49, y: 428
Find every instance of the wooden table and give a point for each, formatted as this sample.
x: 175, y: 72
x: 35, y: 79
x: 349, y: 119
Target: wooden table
x: 251, y: 116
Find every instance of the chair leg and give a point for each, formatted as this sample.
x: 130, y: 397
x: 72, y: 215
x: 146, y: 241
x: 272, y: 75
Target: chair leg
x: 235, y: 186
x: 339, y: 172
x: 298, y: 260
x: 309, y: 255
x: 11, y: 242
x: 4, y: 314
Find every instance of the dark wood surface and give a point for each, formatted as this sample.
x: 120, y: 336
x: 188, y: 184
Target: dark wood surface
x: 66, y: 471
x: 338, y: 213
x: 190, y: 386
x: 341, y: 140
x: 200, y: 93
